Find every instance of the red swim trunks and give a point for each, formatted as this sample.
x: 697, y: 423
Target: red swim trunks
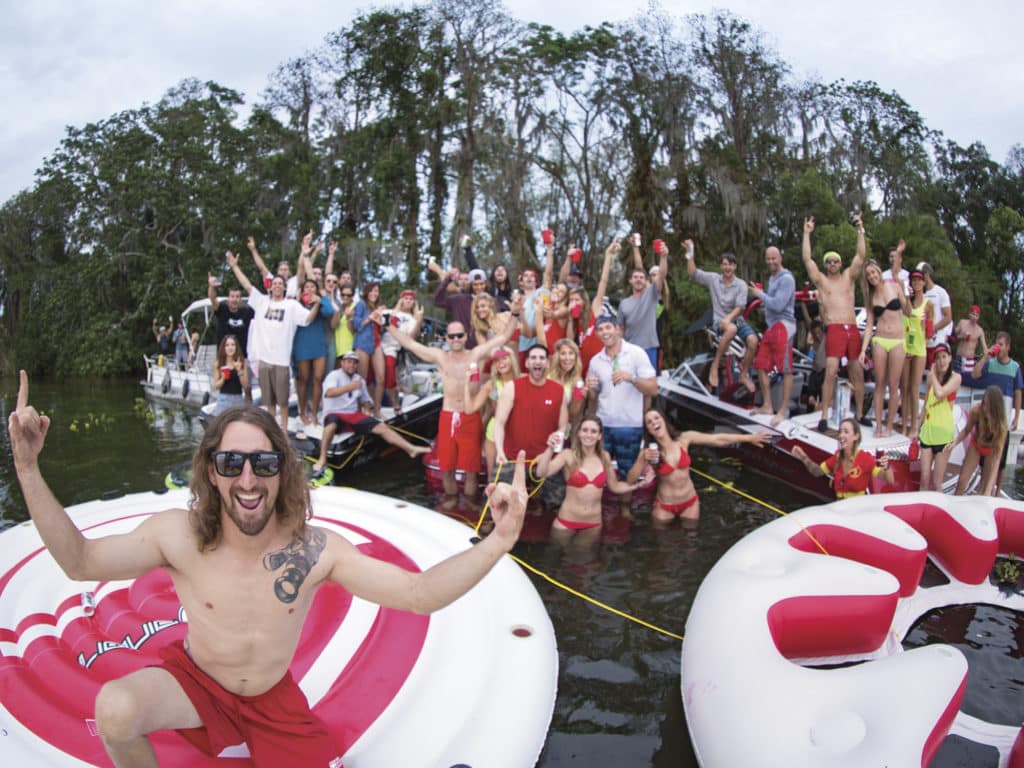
x: 842, y: 340
x: 277, y: 726
x: 775, y: 351
x: 459, y: 438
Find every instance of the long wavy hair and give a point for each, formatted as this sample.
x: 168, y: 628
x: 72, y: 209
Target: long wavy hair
x: 482, y: 328
x: 555, y: 372
x: 292, y: 507
x: 991, y: 417
x: 867, y: 289
x: 671, y: 428
x: 222, y: 354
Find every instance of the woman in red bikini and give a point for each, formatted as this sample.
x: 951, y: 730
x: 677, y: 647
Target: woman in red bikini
x: 986, y: 426
x: 676, y: 495
x: 587, y: 468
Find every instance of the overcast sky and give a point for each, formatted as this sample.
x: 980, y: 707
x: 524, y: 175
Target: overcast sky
x: 69, y: 62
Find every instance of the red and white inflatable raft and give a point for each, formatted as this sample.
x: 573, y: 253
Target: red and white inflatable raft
x: 473, y: 684
x: 776, y: 605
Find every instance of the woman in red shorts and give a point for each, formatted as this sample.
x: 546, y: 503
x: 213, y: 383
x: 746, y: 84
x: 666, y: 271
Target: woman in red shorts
x: 676, y: 495
x: 850, y: 467
x: 986, y: 426
x: 587, y: 469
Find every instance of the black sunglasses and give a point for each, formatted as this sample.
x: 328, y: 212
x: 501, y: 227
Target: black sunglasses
x: 231, y: 463
x: 456, y: 335
x: 346, y: 295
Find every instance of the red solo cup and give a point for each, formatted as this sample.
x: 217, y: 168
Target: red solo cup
x: 576, y: 311
x: 577, y: 392
x: 474, y: 372
x: 758, y: 286
x: 575, y: 254
x: 225, y: 371
x: 659, y: 245
x: 914, y: 452
x: 996, y: 350
x: 267, y: 280
x: 547, y: 236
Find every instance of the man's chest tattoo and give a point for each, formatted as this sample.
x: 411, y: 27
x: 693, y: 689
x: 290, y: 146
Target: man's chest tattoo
x: 295, y: 561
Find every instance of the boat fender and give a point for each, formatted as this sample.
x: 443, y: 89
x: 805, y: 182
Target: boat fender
x: 184, y: 390
x: 166, y: 386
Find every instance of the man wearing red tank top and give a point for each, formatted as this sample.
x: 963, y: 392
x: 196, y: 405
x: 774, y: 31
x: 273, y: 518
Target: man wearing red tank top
x: 529, y: 409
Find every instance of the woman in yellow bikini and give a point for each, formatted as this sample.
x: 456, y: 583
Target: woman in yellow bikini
x: 888, y: 306
x: 914, y: 343
x: 504, y: 368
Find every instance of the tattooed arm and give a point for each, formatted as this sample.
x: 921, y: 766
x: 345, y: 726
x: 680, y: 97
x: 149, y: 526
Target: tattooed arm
x: 443, y: 583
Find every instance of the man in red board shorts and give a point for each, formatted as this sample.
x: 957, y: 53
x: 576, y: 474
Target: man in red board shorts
x: 836, y: 299
x: 246, y: 566
x: 459, y: 434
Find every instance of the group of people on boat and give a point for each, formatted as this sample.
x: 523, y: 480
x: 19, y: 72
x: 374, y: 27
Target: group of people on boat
x: 510, y: 344
x: 909, y: 343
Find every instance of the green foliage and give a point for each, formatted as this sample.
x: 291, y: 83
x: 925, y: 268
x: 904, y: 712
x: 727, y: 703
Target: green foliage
x: 410, y: 127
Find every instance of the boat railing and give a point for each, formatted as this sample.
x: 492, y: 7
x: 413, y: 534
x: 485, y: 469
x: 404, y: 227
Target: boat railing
x: 683, y: 375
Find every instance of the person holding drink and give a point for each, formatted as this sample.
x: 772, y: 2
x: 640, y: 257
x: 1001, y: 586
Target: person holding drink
x: 851, y: 468
x: 230, y: 375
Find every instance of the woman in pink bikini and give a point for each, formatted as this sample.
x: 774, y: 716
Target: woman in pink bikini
x: 676, y: 495
x: 587, y: 468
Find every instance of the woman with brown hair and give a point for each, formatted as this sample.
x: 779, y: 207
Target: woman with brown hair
x: 986, y: 426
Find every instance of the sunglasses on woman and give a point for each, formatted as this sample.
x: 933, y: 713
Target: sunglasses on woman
x: 231, y: 463
x: 456, y: 335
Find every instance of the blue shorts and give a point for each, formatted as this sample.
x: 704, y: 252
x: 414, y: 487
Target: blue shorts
x: 623, y: 443
x: 652, y: 355
x: 743, y: 330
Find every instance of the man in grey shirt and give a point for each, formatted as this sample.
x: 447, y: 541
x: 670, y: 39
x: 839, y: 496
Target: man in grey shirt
x: 728, y: 300
x: 638, y: 312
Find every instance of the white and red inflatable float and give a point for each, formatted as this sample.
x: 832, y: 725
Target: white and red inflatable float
x: 473, y: 684
x: 775, y: 615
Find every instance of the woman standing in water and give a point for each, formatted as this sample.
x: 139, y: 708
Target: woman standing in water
x: 850, y: 467
x: 670, y: 455
x: 587, y: 469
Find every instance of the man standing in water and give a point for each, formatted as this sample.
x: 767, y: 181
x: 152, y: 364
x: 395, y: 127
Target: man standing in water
x: 241, y: 556
x: 842, y: 338
x: 459, y: 434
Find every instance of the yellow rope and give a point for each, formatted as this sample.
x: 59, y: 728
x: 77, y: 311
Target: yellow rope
x: 729, y: 486
x: 592, y: 601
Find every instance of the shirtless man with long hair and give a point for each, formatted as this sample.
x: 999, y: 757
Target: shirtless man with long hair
x: 246, y: 565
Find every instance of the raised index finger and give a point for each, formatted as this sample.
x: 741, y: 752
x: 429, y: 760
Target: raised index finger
x: 519, y: 475
x: 23, y: 390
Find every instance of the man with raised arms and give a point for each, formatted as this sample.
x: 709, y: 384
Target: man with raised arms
x: 842, y: 338
x: 459, y: 434
x: 246, y: 565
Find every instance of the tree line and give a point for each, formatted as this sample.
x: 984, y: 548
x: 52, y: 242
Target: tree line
x: 409, y: 128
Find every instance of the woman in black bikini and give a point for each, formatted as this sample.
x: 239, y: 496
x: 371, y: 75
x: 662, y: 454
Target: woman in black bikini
x: 676, y: 496
x: 888, y: 305
x: 587, y: 469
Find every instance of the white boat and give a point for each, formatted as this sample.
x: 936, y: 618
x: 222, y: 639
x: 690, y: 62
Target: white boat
x: 192, y: 386
x: 792, y: 654
x: 473, y: 684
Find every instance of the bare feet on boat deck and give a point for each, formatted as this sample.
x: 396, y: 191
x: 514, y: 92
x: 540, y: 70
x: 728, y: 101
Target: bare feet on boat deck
x: 764, y: 409
x: 748, y: 382
x: 779, y: 417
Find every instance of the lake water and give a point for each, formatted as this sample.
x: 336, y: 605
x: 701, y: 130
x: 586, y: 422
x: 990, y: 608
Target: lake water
x: 618, y: 699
